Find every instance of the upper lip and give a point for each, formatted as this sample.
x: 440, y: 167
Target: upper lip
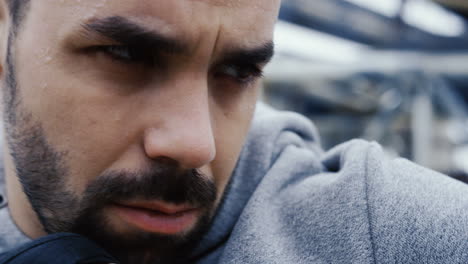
x: 159, y: 206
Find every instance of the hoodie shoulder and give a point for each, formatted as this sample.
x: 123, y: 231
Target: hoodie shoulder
x: 289, y: 202
x: 415, y: 215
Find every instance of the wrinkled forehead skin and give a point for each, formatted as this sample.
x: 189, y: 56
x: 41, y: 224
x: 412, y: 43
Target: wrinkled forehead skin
x: 197, y: 22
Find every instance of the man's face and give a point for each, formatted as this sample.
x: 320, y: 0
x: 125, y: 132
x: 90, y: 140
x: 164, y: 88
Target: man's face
x: 128, y: 116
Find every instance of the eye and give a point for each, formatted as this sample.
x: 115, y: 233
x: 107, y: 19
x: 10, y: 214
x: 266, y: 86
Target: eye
x: 127, y: 54
x: 243, y: 74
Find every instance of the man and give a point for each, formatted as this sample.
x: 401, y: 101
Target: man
x: 129, y: 122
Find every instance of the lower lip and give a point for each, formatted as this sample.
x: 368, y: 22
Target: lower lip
x: 155, y: 222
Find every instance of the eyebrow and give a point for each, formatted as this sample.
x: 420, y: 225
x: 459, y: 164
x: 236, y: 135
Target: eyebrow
x: 258, y: 55
x: 126, y: 32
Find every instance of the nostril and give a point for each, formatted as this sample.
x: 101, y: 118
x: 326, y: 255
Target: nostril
x: 166, y: 161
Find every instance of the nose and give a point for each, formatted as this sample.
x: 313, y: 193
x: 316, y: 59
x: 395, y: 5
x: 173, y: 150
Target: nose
x: 183, y: 131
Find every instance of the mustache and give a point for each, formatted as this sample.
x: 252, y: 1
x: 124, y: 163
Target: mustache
x: 164, y: 181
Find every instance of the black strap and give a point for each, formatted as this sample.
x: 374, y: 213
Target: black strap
x: 63, y: 248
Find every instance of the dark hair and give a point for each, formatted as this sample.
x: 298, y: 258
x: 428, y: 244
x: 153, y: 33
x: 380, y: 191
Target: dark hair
x: 17, y: 10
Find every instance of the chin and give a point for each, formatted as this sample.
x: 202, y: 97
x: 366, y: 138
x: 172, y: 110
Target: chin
x: 129, y: 242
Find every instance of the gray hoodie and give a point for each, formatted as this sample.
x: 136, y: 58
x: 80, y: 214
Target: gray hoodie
x: 288, y: 202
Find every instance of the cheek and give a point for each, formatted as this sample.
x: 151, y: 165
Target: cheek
x: 89, y: 126
x: 231, y: 128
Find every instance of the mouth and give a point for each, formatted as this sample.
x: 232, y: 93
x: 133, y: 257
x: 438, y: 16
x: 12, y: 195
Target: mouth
x: 158, y: 217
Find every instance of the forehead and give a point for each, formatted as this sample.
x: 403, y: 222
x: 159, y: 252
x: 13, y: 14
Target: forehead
x: 234, y: 21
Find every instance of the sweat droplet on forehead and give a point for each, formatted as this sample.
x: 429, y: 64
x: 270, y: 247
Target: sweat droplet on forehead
x: 256, y: 4
x: 226, y: 3
x: 83, y: 8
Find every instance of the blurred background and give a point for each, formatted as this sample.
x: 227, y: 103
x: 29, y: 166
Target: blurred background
x: 393, y: 71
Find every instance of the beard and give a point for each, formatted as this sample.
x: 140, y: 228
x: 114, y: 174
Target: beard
x: 161, y: 182
x: 43, y: 174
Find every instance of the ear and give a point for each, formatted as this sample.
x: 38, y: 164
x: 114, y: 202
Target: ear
x: 4, y: 32
x: 4, y: 36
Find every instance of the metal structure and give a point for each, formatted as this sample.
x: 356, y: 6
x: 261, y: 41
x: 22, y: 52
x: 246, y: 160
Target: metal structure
x: 402, y: 87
